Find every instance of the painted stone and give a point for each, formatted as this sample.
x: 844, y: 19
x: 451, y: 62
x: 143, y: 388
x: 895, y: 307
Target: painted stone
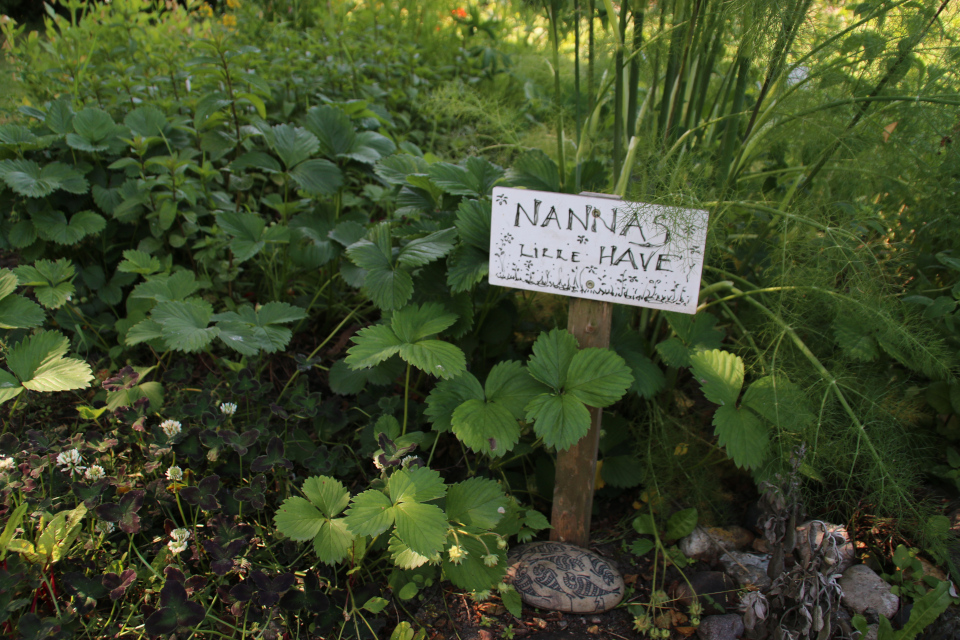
x: 563, y: 577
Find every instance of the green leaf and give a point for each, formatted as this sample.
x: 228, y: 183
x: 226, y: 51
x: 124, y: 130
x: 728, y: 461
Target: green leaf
x: 485, y: 427
x: 247, y: 230
x: 510, y: 385
x: 440, y: 359
x: 63, y: 374
x: 388, y: 288
x: 472, y: 574
x: 720, y: 374
x: 552, y: 354
x: 473, y: 223
x: 333, y: 542
x: 368, y: 147
x: 298, y: 519
x: 22, y: 234
x: 855, y: 339
x: 925, y: 610
x: 185, y: 324
x: 293, y: 144
x: 328, y: 494
x: 15, y: 134
x: 534, y: 170
x: 395, y: 169
x: 9, y: 388
x: 681, y: 524
x: 333, y: 129
x: 372, y: 346
x: 779, y: 401
x: 476, y: 180
x: 448, y: 395
x: 467, y: 266
x: 146, y: 121
x: 163, y: 287
x: 696, y: 331
x: 250, y: 329
x: 28, y: 179
x: 744, y: 436
x: 28, y: 355
x: 645, y: 525
x: 54, y: 226
x: 376, y: 604
x: 561, y: 420
x: 423, y: 527
x: 648, y: 379
x: 674, y: 353
x: 418, y: 484
x: 17, y: 312
x: 93, y: 127
x: 143, y: 331
x: 317, y: 177
x: 476, y: 502
x: 622, y: 471
x: 404, y: 557
x: 415, y: 322
x: 138, y: 262
x: 598, y: 377
x: 421, y: 251
x: 60, y: 116
x: 512, y: 601
x: 370, y: 514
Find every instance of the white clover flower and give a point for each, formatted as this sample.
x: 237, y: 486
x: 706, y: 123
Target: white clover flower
x: 170, y: 428
x: 175, y: 474
x: 105, y: 527
x: 71, y: 461
x: 228, y: 408
x: 491, y: 560
x: 179, y: 540
x: 94, y: 473
x: 457, y: 554
x: 7, y: 464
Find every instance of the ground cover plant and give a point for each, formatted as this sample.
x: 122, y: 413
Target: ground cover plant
x: 254, y: 380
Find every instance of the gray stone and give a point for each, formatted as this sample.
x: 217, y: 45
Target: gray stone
x: 725, y: 627
x: 715, y: 590
x: 839, y: 555
x: 747, y: 568
x: 563, y: 577
x: 706, y: 543
x: 863, y: 589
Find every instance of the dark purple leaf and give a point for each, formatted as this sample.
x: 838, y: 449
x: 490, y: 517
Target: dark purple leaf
x: 118, y: 584
x: 255, y: 494
x: 126, y: 378
x: 270, y: 589
x: 273, y: 457
x: 242, y: 592
x: 173, y: 573
x: 175, y: 611
x: 194, y: 583
x: 204, y: 494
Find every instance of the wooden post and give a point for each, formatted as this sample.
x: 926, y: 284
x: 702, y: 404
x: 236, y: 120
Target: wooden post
x: 589, y: 322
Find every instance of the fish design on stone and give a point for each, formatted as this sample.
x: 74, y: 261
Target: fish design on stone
x: 567, y: 563
x: 546, y: 577
x: 582, y: 586
x: 602, y: 569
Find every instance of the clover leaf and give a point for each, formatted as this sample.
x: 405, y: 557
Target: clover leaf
x: 272, y: 458
x: 175, y: 611
x: 255, y: 494
x: 125, y: 513
x: 204, y: 494
x: 117, y: 585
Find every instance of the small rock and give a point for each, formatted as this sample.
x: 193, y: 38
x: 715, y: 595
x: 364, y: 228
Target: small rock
x: 563, y: 577
x: 540, y: 622
x: 747, y: 568
x: 930, y: 569
x: 707, y: 543
x: 841, y: 557
x: 720, y: 589
x: 595, y: 620
x: 761, y: 545
x: 594, y: 630
x: 872, y: 631
x: 863, y: 589
x: 725, y: 627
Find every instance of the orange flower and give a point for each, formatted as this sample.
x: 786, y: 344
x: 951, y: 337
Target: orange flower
x: 459, y: 13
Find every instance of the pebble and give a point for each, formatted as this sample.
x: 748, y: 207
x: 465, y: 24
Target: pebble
x: 725, y: 627
x: 559, y: 576
x: 747, y: 568
x: 863, y: 589
x: 706, y: 543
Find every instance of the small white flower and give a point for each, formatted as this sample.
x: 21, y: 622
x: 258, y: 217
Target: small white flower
x: 175, y: 474
x: 170, y: 428
x: 94, y: 473
x: 501, y: 510
x: 7, y: 464
x: 179, y: 540
x: 71, y: 461
x: 105, y: 527
x: 213, y: 454
x: 228, y: 408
